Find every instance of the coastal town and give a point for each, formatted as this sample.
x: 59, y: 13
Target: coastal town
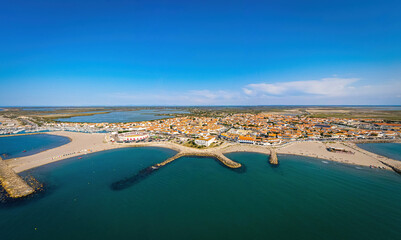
x: 270, y: 134
x: 246, y: 128
x: 200, y: 120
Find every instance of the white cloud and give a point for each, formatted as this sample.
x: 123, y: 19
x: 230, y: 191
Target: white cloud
x: 208, y: 94
x: 247, y: 91
x: 191, y: 97
x: 334, y: 91
x: 324, y: 87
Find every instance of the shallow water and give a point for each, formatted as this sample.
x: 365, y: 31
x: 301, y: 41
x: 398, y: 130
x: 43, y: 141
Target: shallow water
x: 197, y: 198
x: 122, y: 116
x: 390, y: 150
x: 21, y: 146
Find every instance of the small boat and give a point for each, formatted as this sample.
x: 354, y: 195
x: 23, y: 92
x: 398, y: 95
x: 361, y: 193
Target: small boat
x: 79, y: 157
x: 24, y: 151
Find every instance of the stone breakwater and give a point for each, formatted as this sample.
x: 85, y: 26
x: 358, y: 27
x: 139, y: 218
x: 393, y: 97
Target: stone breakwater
x: 273, y: 157
x: 219, y: 156
x: 218, y: 153
x: 183, y: 151
x: 13, y: 184
x: 146, y: 172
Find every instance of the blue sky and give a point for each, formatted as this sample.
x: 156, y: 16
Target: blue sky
x: 200, y: 52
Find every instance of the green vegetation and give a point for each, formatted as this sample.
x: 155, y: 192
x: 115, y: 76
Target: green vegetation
x: 57, y: 116
x: 191, y: 143
x: 389, y: 116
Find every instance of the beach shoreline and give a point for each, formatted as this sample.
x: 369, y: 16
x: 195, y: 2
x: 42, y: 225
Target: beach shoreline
x: 84, y: 143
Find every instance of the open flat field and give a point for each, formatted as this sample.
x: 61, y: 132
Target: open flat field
x: 356, y: 112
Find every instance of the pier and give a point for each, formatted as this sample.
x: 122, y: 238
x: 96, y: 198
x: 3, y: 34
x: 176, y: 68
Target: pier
x: 14, y: 185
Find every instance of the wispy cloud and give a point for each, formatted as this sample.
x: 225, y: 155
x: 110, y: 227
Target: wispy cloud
x: 323, y: 87
x: 190, y: 97
x: 324, y: 91
x: 211, y: 97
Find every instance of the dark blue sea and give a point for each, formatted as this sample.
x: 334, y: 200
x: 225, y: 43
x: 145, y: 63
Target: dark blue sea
x: 198, y: 198
x: 390, y: 150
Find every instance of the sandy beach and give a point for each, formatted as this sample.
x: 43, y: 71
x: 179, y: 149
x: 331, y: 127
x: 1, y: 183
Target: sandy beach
x: 81, y: 143
x: 84, y: 143
x: 318, y: 150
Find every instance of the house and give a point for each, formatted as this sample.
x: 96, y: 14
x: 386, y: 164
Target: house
x: 243, y: 139
x: 204, y: 141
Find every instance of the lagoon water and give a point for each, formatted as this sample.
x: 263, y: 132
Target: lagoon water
x: 197, y: 198
x: 390, y: 150
x: 123, y: 116
x: 20, y: 146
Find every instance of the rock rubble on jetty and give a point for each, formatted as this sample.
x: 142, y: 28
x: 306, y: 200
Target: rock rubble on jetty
x: 223, y: 159
x: 273, y: 157
x: 14, y: 185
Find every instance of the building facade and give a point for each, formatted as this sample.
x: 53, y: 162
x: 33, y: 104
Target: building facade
x: 205, y: 141
x: 132, y: 136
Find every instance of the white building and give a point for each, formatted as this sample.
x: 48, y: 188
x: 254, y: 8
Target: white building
x: 205, y: 141
x: 132, y: 136
x: 250, y: 140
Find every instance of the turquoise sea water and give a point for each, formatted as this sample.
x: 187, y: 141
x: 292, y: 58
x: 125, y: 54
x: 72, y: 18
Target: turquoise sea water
x: 14, y: 147
x: 197, y: 198
x: 391, y: 150
x: 123, y: 116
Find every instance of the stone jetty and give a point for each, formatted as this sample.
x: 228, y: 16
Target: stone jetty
x: 273, y: 157
x: 218, y: 153
x: 142, y: 174
x: 14, y: 185
x: 219, y: 156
